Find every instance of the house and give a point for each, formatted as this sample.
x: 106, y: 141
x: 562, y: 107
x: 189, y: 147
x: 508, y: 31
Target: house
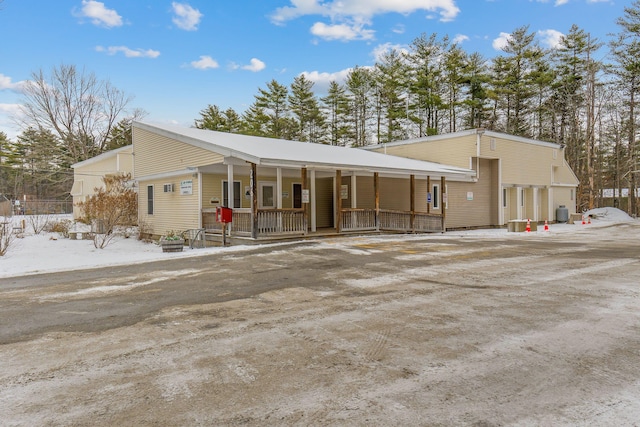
x: 282, y: 187
x: 516, y: 178
x: 88, y: 174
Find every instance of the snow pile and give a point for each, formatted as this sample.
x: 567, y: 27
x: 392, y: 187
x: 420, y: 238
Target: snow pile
x: 609, y: 214
x: 50, y: 252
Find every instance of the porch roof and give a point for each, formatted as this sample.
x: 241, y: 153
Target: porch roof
x: 272, y: 152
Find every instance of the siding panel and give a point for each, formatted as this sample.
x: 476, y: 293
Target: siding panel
x: 157, y: 154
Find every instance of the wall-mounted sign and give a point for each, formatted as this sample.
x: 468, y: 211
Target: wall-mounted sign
x: 429, y: 197
x: 247, y: 192
x: 305, y: 195
x: 344, y: 192
x: 285, y: 194
x: 186, y: 187
x: 469, y: 195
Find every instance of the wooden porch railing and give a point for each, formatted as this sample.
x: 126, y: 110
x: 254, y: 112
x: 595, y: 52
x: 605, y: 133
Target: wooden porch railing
x: 270, y: 222
x: 358, y: 219
x: 401, y: 221
x: 281, y: 221
x: 274, y: 222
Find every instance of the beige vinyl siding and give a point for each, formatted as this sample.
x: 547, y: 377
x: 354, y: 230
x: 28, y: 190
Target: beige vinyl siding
x: 482, y: 210
x: 365, y: 193
x: 125, y: 162
x: 452, y: 152
x: 90, y: 176
x: 564, y: 196
x: 171, y: 211
x: 562, y: 173
x: 525, y: 164
x: 159, y: 154
x: 212, y: 189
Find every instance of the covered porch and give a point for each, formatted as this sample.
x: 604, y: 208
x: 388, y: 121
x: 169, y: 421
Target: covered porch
x: 279, y: 202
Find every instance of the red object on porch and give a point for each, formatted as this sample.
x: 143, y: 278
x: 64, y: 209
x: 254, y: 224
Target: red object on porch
x: 224, y: 215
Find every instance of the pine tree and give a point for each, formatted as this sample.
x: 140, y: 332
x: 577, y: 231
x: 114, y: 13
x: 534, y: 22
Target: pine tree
x: 360, y: 84
x: 305, y: 107
x: 273, y: 102
x: 336, y: 107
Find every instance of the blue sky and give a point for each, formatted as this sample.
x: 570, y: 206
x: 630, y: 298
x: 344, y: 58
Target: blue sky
x: 176, y: 57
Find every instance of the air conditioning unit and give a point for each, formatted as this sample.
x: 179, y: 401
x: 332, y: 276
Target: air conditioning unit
x: 168, y: 188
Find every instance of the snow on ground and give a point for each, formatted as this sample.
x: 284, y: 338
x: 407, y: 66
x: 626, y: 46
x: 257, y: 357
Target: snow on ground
x: 50, y: 252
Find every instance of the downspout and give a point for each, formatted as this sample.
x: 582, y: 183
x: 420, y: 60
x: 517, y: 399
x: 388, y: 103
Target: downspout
x: 479, y: 133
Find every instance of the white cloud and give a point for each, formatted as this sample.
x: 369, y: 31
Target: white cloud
x: 460, y: 38
x: 7, y: 84
x: 129, y: 53
x: 380, y: 50
x: 366, y: 9
x: 398, y: 29
x: 321, y: 80
x: 255, y: 65
x: 501, y: 41
x: 342, y: 32
x: 550, y: 38
x: 99, y: 14
x: 205, y: 62
x: 9, y: 113
x: 348, y: 18
x: 186, y: 17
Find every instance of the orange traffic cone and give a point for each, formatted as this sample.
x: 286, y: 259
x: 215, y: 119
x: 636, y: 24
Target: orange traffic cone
x: 528, y: 229
x: 546, y: 225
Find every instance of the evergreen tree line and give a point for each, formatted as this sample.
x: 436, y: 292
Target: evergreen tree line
x: 567, y: 94
x: 581, y: 94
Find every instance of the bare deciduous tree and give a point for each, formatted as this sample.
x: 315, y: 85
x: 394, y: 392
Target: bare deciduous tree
x: 80, y: 109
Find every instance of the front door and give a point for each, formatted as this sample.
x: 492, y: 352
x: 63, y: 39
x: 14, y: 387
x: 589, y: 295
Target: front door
x: 297, y: 196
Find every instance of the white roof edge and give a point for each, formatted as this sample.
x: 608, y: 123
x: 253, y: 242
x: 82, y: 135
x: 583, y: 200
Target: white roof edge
x: 467, y: 132
x: 252, y: 149
x: 102, y: 156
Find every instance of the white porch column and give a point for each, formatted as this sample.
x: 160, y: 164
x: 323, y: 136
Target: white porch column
x: 230, y: 185
x: 279, y: 188
x: 354, y: 203
x: 519, y: 202
x: 550, y: 205
x: 230, y: 193
x: 200, y: 199
x: 312, y: 197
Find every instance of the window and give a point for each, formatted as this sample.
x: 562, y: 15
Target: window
x: 504, y: 197
x: 522, y: 197
x: 150, y: 199
x: 237, y: 195
x: 266, y: 195
x: 436, y: 197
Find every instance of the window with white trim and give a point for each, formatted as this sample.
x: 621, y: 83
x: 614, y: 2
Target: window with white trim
x: 436, y: 196
x: 149, y: 199
x: 237, y: 195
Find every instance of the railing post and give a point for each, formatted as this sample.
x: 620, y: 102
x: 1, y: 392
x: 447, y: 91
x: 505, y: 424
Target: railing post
x: 303, y: 178
x: 376, y: 190
x: 412, y: 198
x: 338, y: 191
x: 442, y: 203
x: 254, y: 201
